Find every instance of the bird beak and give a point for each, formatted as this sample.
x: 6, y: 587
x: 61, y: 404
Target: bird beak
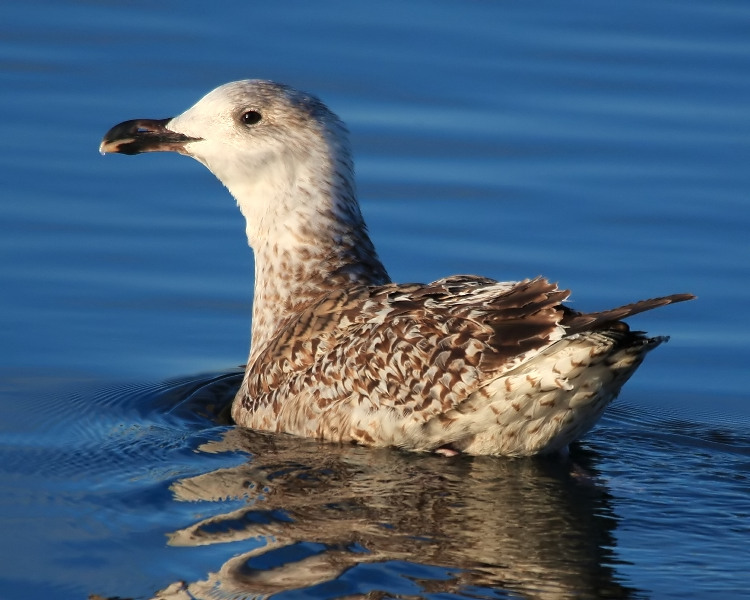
x: 144, y: 135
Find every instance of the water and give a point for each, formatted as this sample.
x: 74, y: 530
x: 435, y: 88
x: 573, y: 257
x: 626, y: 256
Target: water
x: 604, y: 145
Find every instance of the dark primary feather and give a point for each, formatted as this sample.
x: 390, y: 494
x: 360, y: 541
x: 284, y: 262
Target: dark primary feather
x: 576, y: 322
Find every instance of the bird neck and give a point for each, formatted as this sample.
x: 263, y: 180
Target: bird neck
x: 309, y: 238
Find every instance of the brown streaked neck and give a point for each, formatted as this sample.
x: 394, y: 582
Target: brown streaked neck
x: 320, y: 245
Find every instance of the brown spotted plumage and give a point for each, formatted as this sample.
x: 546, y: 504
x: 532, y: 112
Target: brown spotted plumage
x: 463, y: 364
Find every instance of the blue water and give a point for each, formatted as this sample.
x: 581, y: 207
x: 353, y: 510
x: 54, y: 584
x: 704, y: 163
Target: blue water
x: 604, y: 145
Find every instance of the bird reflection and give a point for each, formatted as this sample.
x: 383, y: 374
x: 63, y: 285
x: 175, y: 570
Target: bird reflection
x: 341, y: 521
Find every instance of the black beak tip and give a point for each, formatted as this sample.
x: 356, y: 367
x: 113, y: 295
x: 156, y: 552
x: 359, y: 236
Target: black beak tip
x: 142, y: 135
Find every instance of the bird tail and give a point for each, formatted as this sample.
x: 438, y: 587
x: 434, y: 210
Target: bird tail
x: 576, y: 322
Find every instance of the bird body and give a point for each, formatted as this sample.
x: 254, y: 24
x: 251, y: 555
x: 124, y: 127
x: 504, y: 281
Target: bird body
x: 339, y: 352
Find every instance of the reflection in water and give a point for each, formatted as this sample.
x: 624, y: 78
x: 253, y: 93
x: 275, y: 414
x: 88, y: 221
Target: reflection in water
x: 345, y: 521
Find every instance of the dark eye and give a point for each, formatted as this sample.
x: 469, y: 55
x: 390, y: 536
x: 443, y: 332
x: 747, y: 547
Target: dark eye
x: 251, y: 117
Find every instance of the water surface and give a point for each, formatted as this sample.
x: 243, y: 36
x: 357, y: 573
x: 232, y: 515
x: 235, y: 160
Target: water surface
x: 602, y: 145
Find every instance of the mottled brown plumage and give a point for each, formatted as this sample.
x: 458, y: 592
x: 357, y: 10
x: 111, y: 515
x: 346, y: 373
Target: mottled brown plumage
x: 463, y: 364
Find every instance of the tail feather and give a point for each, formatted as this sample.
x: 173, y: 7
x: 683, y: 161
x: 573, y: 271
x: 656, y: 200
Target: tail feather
x: 576, y: 322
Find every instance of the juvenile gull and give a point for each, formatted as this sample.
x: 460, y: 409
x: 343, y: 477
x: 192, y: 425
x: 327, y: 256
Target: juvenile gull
x: 462, y: 364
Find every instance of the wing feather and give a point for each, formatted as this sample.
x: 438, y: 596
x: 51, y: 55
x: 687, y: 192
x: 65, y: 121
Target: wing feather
x: 410, y: 351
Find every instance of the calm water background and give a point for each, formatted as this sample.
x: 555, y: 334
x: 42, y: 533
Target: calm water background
x: 603, y: 144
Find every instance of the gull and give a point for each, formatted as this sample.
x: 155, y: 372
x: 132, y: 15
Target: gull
x: 464, y: 364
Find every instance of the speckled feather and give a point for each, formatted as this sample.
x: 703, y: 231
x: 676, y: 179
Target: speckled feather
x: 412, y: 366
x: 463, y: 364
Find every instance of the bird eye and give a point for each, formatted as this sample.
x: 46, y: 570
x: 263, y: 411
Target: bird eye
x: 251, y: 117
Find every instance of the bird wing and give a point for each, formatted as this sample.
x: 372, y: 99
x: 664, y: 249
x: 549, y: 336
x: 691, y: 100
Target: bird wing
x: 394, y: 352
